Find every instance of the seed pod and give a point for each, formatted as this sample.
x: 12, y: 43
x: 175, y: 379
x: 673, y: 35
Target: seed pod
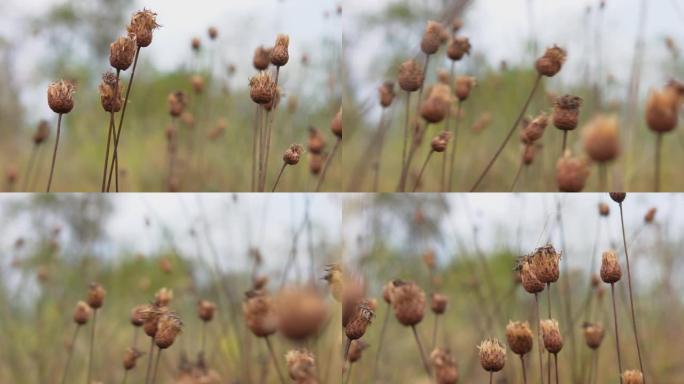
x: 438, y: 303
x: 356, y: 349
x: 280, y: 55
x: 111, y: 93
x: 301, y: 312
x: 600, y: 137
x: 444, y: 366
x: 551, y: 62
x: 662, y: 108
x: 205, y: 310
x: 458, y: 47
x: 262, y: 88
x: 610, y: 268
x: 632, y: 377
x: 130, y: 358
x: 139, y: 314
x: 169, y: 326
x: 259, y: 313
x: 593, y: 335
x: 545, y: 264
x: 386, y: 92
x: 316, y: 161
x: 177, y: 101
x: 439, y: 143
x: 262, y: 58
x: 316, y: 141
x: 96, y: 295
x: 361, y: 319
x: 152, y: 315
x: 519, y: 337
x: 650, y: 215
x: 435, y: 108
x: 42, y: 132
x: 212, y: 32
x: 82, y: 313
x: 197, y: 82
x: 301, y: 366
x: 535, y: 129
x: 553, y: 340
x: 492, y: 355
x: 463, y: 85
x: 529, y: 280
x: 618, y: 197
x: 336, y: 124
x: 163, y: 297
x: 410, y: 76
x: 432, y: 37
x: 61, y: 96
x: 143, y: 23
x: 604, y: 209
x: 566, y: 112
x: 408, y: 302
x: 292, y: 154
x: 571, y: 173
x: 122, y: 52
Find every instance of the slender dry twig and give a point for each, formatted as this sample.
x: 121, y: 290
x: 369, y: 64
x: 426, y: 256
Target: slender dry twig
x: 617, y: 333
x: 421, y: 350
x: 524, y: 373
x: 29, y: 168
x: 156, y: 365
x: 275, y: 185
x: 92, y: 345
x: 54, y: 153
x: 149, y: 361
x: 382, y: 337
x: 539, y: 339
x: 452, y: 159
x: 420, y: 175
x: 406, y: 130
x: 327, y: 165
x: 70, y: 354
x: 275, y: 360
x: 656, y: 182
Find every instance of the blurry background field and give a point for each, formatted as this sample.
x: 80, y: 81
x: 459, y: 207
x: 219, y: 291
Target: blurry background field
x: 475, y: 241
x: 616, y: 55
x: 200, y: 247
x: 46, y: 40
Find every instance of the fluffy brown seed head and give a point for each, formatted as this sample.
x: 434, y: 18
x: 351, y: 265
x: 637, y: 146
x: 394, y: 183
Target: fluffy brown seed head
x: 519, y: 337
x: 163, y: 297
x: 444, y: 366
x: 632, y: 377
x: 553, y: 341
x: 212, y: 32
x: 610, y: 267
x: 593, y: 335
x: 206, y: 310
x: 439, y: 143
x: 604, y: 209
x: 438, y: 303
x: 152, y: 314
x: 551, y: 62
x: 143, y: 23
x: 280, y: 55
x: 566, y: 112
x: 463, y: 85
x: 650, y: 215
x: 111, y: 93
x: 360, y: 320
x: 131, y: 357
x: 177, y: 101
x: 546, y: 264
x: 618, y: 197
x: 60, y: 96
x: 262, y: 88
x: 600, y: 138
x: 408, y: 302
x: 139, y: 314
x: 336, y: 124
x: 432, y: 37
x: 122, y: 52
x: 492, y: 355
x: 259, y: 313
x: 301, y: 312
x: 169, y: 326
x: 96, y: 295
x: 662, y: 110
x: 535, y: 129
x: 301, y: 366
x: 262, y: 58
x: 42, y: 132
x: 386, y: 92
x: 571, y: 173
x: 292, y: 154
x: 458, y: 47
x: 82, y: 313
x: 529, y: 280
x: 316, y: 141
x: 410, y: 76
x: 434, y: 109
x: 197, y: 82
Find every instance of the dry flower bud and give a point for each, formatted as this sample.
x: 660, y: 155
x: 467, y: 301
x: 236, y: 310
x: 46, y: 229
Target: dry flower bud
x: 519, y: 337
x: 139, y: 314
x: 610, y: 268
x: 432, y: 37
x: 439, y: 143
x: 604, y: 209
x: 143, y: 23
x: 177, y: 102
x: 212, y: 32
x: 650, y: 215
x: 662, y: 109
x: 545, y: 263
x: 96, y: 295
x: 386, y: 91
x: 618, y: 197
x: 356, y: 349
x: 111, y: 93
x: 410, y: 76
x: 571, y: 173
x: 463, y: 85
x: 163, y: 297
x: 122, y: 52
x: 566, y: 112
x: 444, y: 366
x: 552, y: 61
x: 632, y: 377
x: 259, y: 313
x: 360, y: 320
x: 553, y: 341
x: 61, y: 96
x: 316, y: 161
x: 408, y: 302
x: 438, y: 303
x: 82, y: 313
x: 205, y: 310
x: 280, y: 55
x: 130, y: 358
x: 301, y: 366
x: 600, y: 137
x: 152, y: 314
x: 435, y: 108
x: 492, y: 355
x: 262, y: 58
x: 42, y: 132
x: 292, y: 154
x: 529, y: 280
x: 593, y: 335
x: 262, y: 88
x: 197, y: 82
x: 458, y: 47
x: 168, y: 327
x: 535, y: 129
x: 387, y: 292
x: 316, y: 141
x: 301, y: 312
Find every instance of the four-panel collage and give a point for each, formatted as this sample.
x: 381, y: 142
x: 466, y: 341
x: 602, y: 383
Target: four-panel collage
x: 179, y: 204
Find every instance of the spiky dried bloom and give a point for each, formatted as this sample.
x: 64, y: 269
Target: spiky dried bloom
x: 163, y: 297
x: 566, y: 112
x: 60, y: 96
x: 439, y: 143
x: 122, y: 52
x: 110, y: 93
x: 618, y: 197
x: 336, y: 124
x: 139, y: 314
x: 593, y: 334
x: 259, y: 313
x: 131, y: 357
x: 650, y: 215
x: 545, y: 263
x: 553, y: 340
x: 316, y: 141
x: 143, y: 23
x: 301, y: 366
x: 197, y: 82
x: 212, y: 32
x: 519, y: 337
x: 610, y: 267
x: 301, y: 312
x: 82, y: 313
x: 492, y: 355
x: 551, y: 62
x: 262, y: 58
x: 632, y: 377
x: 408, y: 302
x: 360, y: 320
x: 604, y: 209
x: 169, y: 326
x: 262, y: 88
x: 387, y: 292
x: 96, y: 295
x: 529, y: 280
x: 662, y: 109
x: 432, y: 37
x: 292, y: 154
x: 535, y: 129
x: 206, y: 310
x: 463, y: 85
x: 571, y: 173
x: 458, y: 47
x: 42, y: 132
x: 356, y: 349
x: 439, y: 303
x: 444, y: 366
x: 280, y: 55
x: 177, y: 102
x: 434, y: 109
x: 152, y: 314
x: 600, y: 138
x: 410, y: 76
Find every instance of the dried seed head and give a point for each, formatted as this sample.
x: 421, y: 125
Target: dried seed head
x: 593, y: 335
x: 82, y: 313
x: 131, y: 357
x: 456, y: 24
x: 566, y: 112
x: 553, y: 341
x: 618, y: 197
x: 262, y: 88
x: 410, y: 76
x: 463, y: 85
x: 275, y: 101
x: 650, y: 215
x: 197, y: 82
x: 432, y: 37
x: 535, y: 129
x: 152, y: 314
x: 139, y: 314
x: 205, y: 310
x: 528, y: 278
x: 528, y: 154
x: 262, y: 58
x: 600, y: 137
x: 435, y: 108
x: 438, y: 303
x: 408, y: 302
x: 610, y: 268
x: 386, y: 91
x: 260, y: 282
x: 571, y: 173
x: 316, y: 161
x: 439, y: 143
x: 552, y: 61
x: 662, y: 109
x: 301, y: 366
x: 213, y: 33
x: 444, y: 366
x: 316, y: 141
x: 61, y: 96
x: 356, y: 349
x: 96, y: 295
x: 492, y: 355
x: 519, y: 337
x: 111, y: 93
x: 143, y: 23
x: 292, y: 154
x: 545, y: 263
x: 336, y: 124
x: 259, y: 313
x: 301, y: 312
x: 604, y: 209
x: 458, y: 47
x: 443, y: 76
x: 360, y: 320
x: 177, y: 102
x: 632, y: 377
x: 169, y: 326
x: 163, y: 297
x: 122, y: 52
x: 280, y: 55
x: 42, y: 132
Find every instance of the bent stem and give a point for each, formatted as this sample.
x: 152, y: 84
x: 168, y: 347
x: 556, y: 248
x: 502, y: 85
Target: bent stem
x: 275, y: 185
x: 327, y: 165
x: 421, y: 350
x: 420, y: 175
x: 617, y: 333
x: 275, y: 360
x: 539, y: 339
x: 537, y: 81
x: 70, y: 354
x: 92, y: 344
x: 54, y: 153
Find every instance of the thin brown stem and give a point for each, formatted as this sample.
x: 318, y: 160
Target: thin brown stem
x: 349, y: 373
x: 603, y: 176
x: 452, y: 160
x: 524, y: 372
x: 517, y: 175
x: 275, y: 360
x: 421, y: 350
x: 109, y: 141
x: 29, y: 168
x: 255, y: 132
x: 565, y: 141
x: 539, y: 339
x: 275, y: 185
x: 54, y: 153
x: 156, y: 365
x: 327, y: 165
x: 406, y: 132
x: 70, y: 354
x: 491, y: 377
x: 658, y: 150
x: 347, y: 345
x: 537, y: 81
x: 382, y: 337
x: 434, y: 331
x: 149, y: 361
x: 269, y: 128
x: 92, y: 345
x: 125, y: 377
x: 555, y: 364
x: 420, y: 175
x: 617, y: 333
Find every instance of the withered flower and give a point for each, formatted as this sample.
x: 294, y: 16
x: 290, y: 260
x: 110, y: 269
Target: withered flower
x: 551, y: 62
x: 410, y: 76
x: 408, y: 302
x: 168, y: 327
x: 61, y: 96
x: 280, y: 55
x: 96, y: 295
x: 292, y: 154
x: 82, y: 313
x: 259, y: 313
x: 492, y: 355
x: 610, y: 267
x: 553, y: 341
x: 262, y: 88
x: 143, y: 23
x: 111, y: 93
x: 122, y: 52
x: 519, y: 337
